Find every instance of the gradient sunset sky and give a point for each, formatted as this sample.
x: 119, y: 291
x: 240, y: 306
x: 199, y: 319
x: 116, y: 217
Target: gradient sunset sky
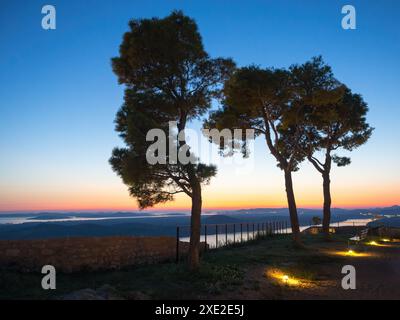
x: 59, y: 98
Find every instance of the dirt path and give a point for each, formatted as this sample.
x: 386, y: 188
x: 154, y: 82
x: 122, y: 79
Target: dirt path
x: 377, y: 277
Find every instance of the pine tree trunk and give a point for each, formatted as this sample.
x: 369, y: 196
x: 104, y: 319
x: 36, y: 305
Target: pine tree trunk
x: 195, y: 216
x: 327, y: 204
x: 294, y: 220
x: 195, y: 228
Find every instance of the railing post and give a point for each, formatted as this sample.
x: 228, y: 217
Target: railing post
x: 241, y: 232
x: 177, y: 244
x: 234, y: 233
x: 258, y: 230
x: 216, y: 236
x: 262, y: 229
x: 226, y: 234
x: 248, y: 234
x: 205, y: 237
x: 253, y: 231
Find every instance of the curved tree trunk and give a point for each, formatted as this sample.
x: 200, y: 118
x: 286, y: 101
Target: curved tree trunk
x: 195, y: 227
x: 294, y: 220
x: 327, y: 204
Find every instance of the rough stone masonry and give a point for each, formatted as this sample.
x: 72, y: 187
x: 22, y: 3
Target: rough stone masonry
x: 92, y: 253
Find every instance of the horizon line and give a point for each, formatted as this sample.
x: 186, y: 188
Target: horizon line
x: 187, y: 209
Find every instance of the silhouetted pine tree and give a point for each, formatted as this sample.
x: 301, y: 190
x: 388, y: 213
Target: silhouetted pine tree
x: 168, y: 77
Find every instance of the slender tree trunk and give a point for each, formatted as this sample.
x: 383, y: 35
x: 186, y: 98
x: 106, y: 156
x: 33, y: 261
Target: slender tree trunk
x: 294, y: 220
x: 327, y: 204
x: 195, y: 228
x: 195, y: 216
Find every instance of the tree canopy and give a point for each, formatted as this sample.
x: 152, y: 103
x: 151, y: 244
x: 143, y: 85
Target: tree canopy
x: 168, y: 77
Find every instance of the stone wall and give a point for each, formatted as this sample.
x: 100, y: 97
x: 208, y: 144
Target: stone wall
x: 94, y: 253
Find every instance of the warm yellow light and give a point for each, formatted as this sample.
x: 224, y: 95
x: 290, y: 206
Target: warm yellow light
x: 386, y: 240
x: 286, y: 279
x: 374, y: 243
x: 350, y: 253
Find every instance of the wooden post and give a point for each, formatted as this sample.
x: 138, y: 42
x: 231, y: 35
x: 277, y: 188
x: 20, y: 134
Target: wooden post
x: 234, y: 233
x: 248, y: 235
x: 241, y: 232
x: 253, y: 230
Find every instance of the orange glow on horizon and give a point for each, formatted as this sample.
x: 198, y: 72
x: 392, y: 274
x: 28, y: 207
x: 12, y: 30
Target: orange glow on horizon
x: 173, y: 206
x: 116, y: 198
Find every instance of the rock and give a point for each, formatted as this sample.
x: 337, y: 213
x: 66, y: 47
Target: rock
x: 137, y: 295
x: 84, y: 294
x: 105, y: 292
x: 109, y: 293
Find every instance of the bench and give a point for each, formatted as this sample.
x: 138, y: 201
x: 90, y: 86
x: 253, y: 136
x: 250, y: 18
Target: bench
x: 361, y: 236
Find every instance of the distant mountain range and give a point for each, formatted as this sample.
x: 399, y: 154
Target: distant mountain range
x: 157, y: 223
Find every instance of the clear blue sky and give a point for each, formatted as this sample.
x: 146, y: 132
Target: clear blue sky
x: 59, y: 95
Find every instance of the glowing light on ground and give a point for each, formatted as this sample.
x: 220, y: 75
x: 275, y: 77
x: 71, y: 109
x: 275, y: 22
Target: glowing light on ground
x: 351, y: 253
x: 286, y: 279
x: 374, y: 243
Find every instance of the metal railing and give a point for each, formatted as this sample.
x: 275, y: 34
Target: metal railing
x: 221, y: 235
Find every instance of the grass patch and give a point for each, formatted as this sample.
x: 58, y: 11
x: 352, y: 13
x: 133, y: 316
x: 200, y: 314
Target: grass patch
x: 221, y: 270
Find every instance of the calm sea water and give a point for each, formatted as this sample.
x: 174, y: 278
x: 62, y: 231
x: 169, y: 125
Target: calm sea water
x: 222, y: 238
x: 30, y: 219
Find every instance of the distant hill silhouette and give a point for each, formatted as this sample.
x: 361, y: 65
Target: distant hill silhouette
x: 393, y: 222
x: 133, y: 223
x: 221, y: 219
